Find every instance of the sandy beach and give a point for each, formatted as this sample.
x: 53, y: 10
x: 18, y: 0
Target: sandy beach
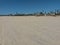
x: 29, y: 30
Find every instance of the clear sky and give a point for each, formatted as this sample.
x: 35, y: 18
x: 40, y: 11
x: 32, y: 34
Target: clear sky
x: 27, y: 6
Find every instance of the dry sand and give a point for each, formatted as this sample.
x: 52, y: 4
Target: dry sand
x: 29, y: 30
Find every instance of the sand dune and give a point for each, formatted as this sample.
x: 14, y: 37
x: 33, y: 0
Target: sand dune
x: 29, y: 30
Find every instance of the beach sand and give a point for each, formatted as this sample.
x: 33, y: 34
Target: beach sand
x: 29, y: 30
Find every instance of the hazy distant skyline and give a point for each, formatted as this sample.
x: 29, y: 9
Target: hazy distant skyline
x: 27, y: 6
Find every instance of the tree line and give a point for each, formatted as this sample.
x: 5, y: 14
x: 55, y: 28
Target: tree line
x: 42, y: 13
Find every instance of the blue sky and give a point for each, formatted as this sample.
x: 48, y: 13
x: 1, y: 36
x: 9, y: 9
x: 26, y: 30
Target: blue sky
x: 28, y: 6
